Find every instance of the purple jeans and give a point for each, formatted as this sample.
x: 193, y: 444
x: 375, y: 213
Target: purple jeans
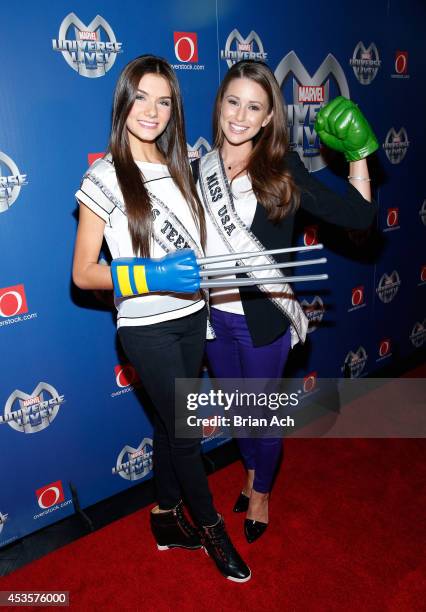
x: 232, y: 355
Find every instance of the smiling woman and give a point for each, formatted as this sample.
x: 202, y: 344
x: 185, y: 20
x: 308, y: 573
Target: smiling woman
x: 142, y: 187
x: 261, y: 184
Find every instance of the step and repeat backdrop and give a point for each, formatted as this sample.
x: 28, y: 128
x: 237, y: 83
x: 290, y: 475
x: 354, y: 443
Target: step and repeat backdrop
x: 70, y: 403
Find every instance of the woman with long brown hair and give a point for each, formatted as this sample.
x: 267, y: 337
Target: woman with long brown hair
x: 252, y: 185
x: 141, y: 197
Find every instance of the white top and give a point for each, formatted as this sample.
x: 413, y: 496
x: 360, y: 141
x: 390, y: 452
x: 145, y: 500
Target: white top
x: 100, y: 192
x: 245, y: 205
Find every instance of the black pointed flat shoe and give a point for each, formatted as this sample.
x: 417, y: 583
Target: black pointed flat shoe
x: 254, y: 529
x: 242, y: 503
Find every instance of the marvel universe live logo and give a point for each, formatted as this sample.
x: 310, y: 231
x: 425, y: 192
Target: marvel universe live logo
x: 354, y: 363
x: 314, y: 312
x: 200, y: 148
x: 388, y: 286
x: 306, y: 95
x: 86, y: 52
x: 3, y: 520
x: 422, y: 212
x: 365, y: 63
x: 243, y: 48
x: 135, y: 463
x: 34, y: 413
x: 11, y: 181
x: 418, y: 334
x: 396, y: 145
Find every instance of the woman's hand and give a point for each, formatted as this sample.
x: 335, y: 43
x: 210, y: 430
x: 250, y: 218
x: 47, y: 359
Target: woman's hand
x: 341, y: 126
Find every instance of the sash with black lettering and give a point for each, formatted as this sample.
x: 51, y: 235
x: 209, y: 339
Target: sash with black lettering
x: 168, y: 231
x: 237, y: 238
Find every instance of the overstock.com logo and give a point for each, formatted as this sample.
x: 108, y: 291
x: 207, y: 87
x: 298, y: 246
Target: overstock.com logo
x: 31, y: 413
x: 186, y: 46
x: 306, y: 96
x: 197, y: 150
x: 82, y: 47
x: 310, y: 382
x: 357, y: 298
x: 310, y: 235
x: 51, y: 498
x: 186, y: 51
x: 50, y: 495
x: 13, y: 301
x: 401, y: 65
x: 238, y: 48
x: 365, y: 63
x: 126, y: 375
x: 11, y: 181
x: 134, y: 463
x: 384, y: 349
x: 396, y: 145
x: 392, y: 219
x: 13, y: 306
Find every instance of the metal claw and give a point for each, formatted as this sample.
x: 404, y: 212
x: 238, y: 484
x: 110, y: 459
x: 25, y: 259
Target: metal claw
x: 240, y: 269
x: 232, y: 256
x: 248, y: 282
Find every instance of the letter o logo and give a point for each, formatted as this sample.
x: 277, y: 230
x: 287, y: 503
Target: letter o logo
x: 310, y: 236
x: 184, y: 49
x: 9, y: 307
x: 49, y: 497
x: 384, y: 348
x: 392, y: 217
x: 309, y: 383
x: 208, y: 430
x: 126, y: 376
x: 357, y: 296
x: 401, y: 63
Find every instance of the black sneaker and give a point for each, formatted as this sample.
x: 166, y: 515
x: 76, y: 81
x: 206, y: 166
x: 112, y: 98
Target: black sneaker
x: 173, y: 530
x: 218, y: 545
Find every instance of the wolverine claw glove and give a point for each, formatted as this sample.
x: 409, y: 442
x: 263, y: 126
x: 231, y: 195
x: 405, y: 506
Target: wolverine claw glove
x: 177, y: 272
x: 342, y: 127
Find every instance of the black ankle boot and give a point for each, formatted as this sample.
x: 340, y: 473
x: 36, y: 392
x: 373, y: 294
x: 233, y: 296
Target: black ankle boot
x: 173, y: 530
x: 218, y: 545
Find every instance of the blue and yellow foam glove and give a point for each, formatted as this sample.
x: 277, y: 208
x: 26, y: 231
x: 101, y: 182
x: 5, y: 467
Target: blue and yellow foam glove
x: 177, y: 272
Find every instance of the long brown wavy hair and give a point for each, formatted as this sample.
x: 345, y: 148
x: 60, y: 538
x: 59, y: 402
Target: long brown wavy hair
x: 273, y: 186
x: 171, y: 143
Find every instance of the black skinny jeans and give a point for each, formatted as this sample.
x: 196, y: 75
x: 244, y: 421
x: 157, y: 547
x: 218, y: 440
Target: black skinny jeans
x: 160, y: 353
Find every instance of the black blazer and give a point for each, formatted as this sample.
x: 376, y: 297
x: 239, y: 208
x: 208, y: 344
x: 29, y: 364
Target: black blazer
x: 264, y: 320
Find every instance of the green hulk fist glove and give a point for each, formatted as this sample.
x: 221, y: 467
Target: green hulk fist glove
x: 342, y: 127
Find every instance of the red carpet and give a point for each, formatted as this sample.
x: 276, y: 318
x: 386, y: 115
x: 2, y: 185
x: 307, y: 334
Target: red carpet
x: 347, y: 533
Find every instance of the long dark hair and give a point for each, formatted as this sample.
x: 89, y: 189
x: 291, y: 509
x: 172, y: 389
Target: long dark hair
x: 171, y: 144
x: 273, y: 186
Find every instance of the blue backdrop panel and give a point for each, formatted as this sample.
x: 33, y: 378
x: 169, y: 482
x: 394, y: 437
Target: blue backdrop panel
x: 70, y: 404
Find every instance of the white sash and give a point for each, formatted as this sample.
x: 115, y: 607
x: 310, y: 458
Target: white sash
x: 237, y: 238
x: 168, y: 231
